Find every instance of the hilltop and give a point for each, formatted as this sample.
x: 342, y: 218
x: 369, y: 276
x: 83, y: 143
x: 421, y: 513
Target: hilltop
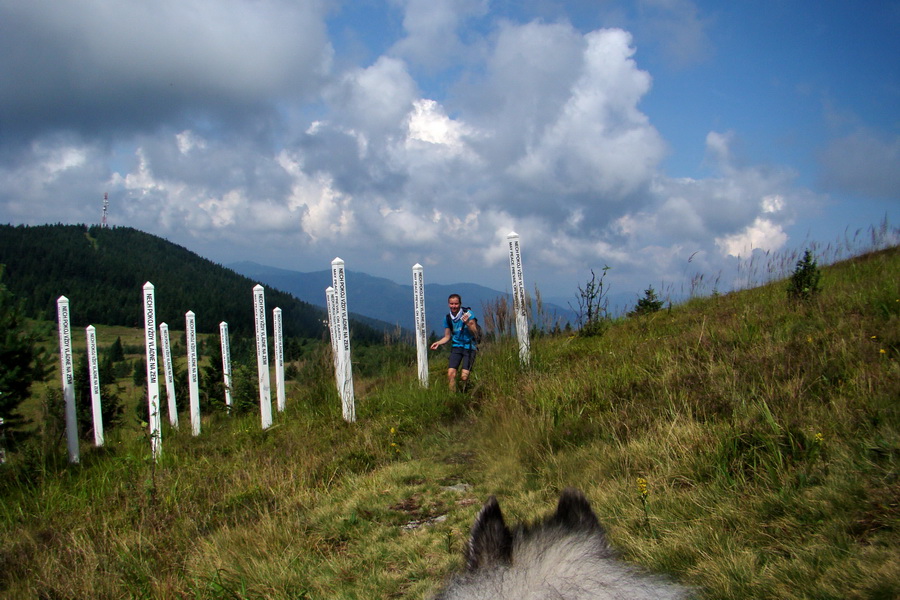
x: 746, y: 445
x: 102, y: 272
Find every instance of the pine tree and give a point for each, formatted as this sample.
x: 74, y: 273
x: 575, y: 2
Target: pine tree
x: 139, y: 374
x: 22, y: 361
x: 116, y: 352
x: 650, y: 303
x: 804, y: 284
x: 111, y: 407
x: 212, y: 377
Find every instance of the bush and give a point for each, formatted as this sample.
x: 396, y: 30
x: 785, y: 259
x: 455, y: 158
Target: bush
x: 593, y: 306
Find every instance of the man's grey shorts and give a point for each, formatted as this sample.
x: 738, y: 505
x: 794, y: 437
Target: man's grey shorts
x: 462, y: 356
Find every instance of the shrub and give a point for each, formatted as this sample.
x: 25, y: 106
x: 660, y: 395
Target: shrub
x: 593, y: 306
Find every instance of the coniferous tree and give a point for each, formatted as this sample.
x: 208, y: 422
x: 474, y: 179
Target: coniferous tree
x: 245, y: 395
x: 116, y: 352
x: 212, y: 393
x: 23, y: 361
x: 804, y: 282
x: 650, y: 303
x: 111, y: 407
x: 139, y: 374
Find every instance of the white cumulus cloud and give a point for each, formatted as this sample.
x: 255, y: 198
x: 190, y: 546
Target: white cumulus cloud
x: 762, y: 234
x: 599, y: 140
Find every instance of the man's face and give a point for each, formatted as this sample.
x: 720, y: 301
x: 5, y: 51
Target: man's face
x: 454, y: 305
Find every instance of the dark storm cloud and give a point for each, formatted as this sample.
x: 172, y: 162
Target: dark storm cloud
x: 96, y: 65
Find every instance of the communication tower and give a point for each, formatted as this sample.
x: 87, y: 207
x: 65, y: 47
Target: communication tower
x: 103, y: 223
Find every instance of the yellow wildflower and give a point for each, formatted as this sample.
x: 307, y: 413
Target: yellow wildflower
x: 642, y: 487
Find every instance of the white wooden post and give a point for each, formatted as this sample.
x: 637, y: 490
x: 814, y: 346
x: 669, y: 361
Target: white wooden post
x: 190, y: 333
x: 149, y: 304
x: 277, y: 326
x: 421, y: 336
x: 331, y: 307
x: 345, y: 365
x: 168, y: 373
x: 94, y: 376
x: 67, y: 372
x: 519, y: 300
x: 262, y: 356
x: 226, y: 362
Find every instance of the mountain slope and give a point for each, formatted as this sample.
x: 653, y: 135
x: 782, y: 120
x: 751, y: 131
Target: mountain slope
x: 102, y: 273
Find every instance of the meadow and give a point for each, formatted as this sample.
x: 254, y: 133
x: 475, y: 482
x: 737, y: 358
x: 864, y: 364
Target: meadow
x: 744, y: 444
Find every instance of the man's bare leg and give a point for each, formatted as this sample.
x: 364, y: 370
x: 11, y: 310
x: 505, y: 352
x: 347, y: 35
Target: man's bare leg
x: 464, y: 376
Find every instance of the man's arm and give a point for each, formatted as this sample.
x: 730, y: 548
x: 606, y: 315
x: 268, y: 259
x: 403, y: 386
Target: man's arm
x: 470, y: 320
x: 471, y: 324
x: 448, y: 333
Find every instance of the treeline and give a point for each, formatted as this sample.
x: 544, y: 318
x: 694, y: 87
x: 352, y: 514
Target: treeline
x: 102, y: 272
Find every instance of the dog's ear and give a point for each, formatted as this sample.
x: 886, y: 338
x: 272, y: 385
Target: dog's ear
x: 574, y: 512
x: 490, y: 542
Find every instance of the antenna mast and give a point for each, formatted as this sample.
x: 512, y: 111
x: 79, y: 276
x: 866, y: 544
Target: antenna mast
x: 103, y: 223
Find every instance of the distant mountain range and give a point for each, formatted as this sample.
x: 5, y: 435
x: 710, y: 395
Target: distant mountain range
x: 102, y: 272
x: 383, y: 299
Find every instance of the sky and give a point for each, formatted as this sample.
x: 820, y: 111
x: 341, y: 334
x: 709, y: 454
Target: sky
x: 664, y: 139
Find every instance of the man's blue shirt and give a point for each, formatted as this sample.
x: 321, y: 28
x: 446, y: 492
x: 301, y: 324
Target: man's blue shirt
x: 462, y: 337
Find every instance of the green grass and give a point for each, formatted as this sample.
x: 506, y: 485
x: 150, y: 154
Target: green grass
x: 767, y: 432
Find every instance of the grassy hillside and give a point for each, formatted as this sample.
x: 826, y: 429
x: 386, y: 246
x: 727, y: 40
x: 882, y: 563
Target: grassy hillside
x: 765, y: 433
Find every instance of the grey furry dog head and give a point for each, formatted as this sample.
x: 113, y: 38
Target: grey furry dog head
x: 564, y: 557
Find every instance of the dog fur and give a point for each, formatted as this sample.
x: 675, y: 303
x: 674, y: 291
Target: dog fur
x: 564, y: 557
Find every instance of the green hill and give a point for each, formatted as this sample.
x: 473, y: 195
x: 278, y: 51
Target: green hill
x: 746, y: 445
x: 102, y: 272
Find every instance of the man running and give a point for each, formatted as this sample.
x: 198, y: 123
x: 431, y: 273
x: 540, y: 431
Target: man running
x: 460, y: 327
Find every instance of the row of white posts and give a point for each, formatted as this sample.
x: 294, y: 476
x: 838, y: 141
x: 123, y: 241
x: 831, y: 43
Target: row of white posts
x: 339, y: 327
x: 336, y: 305
x: 152, y: 346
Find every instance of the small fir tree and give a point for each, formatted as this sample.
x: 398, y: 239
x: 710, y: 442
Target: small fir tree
x: 111, y: 406
x: 650, y: 303
x: 139, y: 373
x: 212, y: 377
x: 116, y: 351
x: 804, y: 283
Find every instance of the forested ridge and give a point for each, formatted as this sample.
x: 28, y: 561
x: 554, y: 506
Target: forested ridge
x: 102, y: 272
